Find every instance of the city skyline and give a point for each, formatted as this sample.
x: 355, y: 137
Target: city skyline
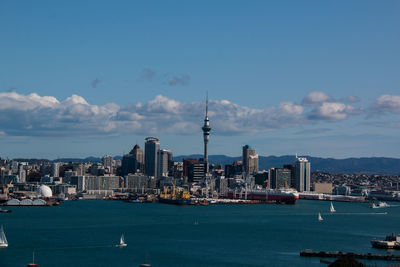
x: 95, y: 78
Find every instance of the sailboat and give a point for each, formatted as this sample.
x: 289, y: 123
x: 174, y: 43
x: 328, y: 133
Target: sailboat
x: 3, y: 239
x: 319, y: 217
x: 332, y: 209
x: 122, y: 242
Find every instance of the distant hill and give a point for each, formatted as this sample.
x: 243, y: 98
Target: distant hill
x: 375, y: 165
x: 79, y: 160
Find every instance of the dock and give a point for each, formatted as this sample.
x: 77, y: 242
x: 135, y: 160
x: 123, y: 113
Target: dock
x: 339, y: 254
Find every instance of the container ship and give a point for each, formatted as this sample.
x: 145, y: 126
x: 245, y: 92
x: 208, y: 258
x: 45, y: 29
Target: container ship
x: 286, y: 196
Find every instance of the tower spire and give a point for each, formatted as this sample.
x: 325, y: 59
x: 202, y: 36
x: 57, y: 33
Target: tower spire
x: 206, y: 134
x: 207, y: 104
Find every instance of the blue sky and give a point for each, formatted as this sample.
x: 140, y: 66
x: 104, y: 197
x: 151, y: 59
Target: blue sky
x: 82, y: 78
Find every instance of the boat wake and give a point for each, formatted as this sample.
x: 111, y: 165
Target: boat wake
x: 361, y: 213
x: 73, y: 247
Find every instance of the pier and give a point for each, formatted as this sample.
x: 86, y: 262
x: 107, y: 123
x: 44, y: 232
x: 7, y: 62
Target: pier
x: 339, y: 254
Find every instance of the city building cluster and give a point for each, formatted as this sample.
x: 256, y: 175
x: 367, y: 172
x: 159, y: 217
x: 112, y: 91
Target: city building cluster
x: 153, y: 171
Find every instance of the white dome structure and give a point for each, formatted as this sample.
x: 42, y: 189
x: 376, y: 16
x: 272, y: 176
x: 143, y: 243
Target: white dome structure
x: 45, y: 191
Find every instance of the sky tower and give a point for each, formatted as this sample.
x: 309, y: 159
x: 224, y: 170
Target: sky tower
x: 206, y: 134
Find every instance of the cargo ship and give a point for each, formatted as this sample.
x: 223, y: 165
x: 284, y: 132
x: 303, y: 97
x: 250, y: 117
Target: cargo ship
x: 285, y: 196
x: 176, y: 197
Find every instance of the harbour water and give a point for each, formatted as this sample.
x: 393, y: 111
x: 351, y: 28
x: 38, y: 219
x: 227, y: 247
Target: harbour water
x: 85, y: 233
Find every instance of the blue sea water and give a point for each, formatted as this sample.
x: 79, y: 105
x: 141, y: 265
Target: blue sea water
x: 84, y: 233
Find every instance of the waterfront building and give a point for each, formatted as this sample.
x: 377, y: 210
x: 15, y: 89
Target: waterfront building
x: 206, y: 135
x: 95, y: 184
x: 302, y: 174
x: 152, y: 147
x: 342, y: 190
x: 139, y: 183
x: 279, y: 178
x: 325, y: 188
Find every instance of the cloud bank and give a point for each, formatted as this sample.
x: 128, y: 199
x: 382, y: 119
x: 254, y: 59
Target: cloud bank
x: 34, y: 115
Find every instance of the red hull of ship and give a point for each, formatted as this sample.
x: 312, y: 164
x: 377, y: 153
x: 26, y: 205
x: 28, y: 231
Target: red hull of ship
x: 262, y: 196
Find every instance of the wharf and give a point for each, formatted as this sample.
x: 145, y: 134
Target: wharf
x: 339, y: 254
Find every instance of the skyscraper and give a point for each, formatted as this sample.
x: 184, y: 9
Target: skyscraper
x: 279, y: 178
x: 302, y: 174
x: 206, y: 134
x: 128, y: 164
x: 163, y: 162
x: 108, y: 163
x: 250, y: 160
x: 151, y: 151
x: 138, y: 153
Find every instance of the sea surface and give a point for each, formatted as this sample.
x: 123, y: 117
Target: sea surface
x: 84, y: 233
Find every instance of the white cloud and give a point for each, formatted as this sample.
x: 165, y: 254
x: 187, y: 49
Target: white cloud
x: 387, y: 103
x: 315, y: 98
x: 34, y: 115
x: 332, y: 111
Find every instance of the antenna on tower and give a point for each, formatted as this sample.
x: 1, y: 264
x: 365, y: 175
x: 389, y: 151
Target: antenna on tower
x: 206, y: 103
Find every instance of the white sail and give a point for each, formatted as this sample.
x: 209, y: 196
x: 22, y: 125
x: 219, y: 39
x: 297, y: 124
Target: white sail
x: 122, y: 242
x: 3, y: 239
x: 332, y: 209
x: 319, y: 217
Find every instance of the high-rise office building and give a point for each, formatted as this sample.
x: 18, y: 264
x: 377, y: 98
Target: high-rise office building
x: 128, y: 164
x: 55, y: 169
x: 279, y: 178
x: 21, y: 173
x: 139, y: 156
x: 250, y: 160
x: 108, y: 163
x: 206, y: 135
x: 163, y: 162
x: 302, y: 174
x: 151, y: 147
x: 133, y: 162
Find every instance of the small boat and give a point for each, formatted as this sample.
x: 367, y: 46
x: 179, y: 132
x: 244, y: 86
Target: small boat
x: 4, y: 210
x: 320, y: 217
x: 391, y: 242
x: 379, y: 205
x: 122, y: 242
x: 332, y: 209
x: 3, y: 239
